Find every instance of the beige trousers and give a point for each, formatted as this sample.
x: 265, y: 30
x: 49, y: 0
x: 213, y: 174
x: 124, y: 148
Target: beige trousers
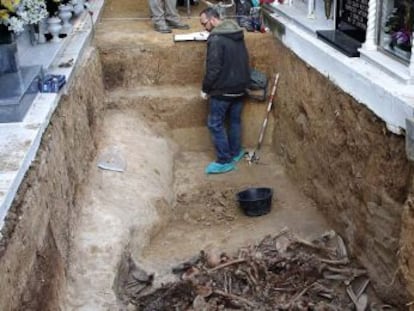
x: 163, y: 11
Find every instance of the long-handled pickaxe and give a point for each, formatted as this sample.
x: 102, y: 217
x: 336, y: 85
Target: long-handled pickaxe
x: 253, y: 156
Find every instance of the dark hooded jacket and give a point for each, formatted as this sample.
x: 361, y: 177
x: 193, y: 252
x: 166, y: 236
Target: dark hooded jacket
x: 227, y: 63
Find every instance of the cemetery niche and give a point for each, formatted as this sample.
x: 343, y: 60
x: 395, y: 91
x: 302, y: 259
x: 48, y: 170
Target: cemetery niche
x: 397, y: 25
x: 350, y: 27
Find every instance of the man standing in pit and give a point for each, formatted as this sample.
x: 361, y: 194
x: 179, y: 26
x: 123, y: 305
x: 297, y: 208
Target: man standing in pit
x: 226, y: 78
x: 164, y: 16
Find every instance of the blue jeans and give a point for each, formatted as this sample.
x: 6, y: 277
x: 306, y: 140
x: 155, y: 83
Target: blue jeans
x: 226, y: 141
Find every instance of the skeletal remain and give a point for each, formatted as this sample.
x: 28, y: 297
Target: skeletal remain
x: 326, y: 295
x: 235, y: 297
x: 261, y: 274
x: 321, y: 288
x: 351, y: 272
x: 282, y: 244
x: 212, y: 258
x: 190, y: 273
x: 375, y: 307
x: 200, y: 304
x: 338, y: 277
x: 343, y: 261
x: 226, y: 264
x: 230, y: 283
x: 341, y: 248
x: 204, y: 290
x: 251, y: 278
x: 283, y: 289
x: 312, y: 245
x: 291, y: 303
x: 361, y: 303
x: 361, y: 288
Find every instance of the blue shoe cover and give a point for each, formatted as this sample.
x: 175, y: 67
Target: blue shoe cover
x: 218, y: 168
x: 240, y: 156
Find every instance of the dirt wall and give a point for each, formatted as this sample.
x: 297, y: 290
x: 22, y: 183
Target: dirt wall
x: 407, y: 244
x: 343, y: 157
x: 37, y: 233
x: 136, y: 63
x: 147, y: 64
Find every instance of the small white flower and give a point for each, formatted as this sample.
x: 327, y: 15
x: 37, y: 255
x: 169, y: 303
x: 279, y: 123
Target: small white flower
x: 28, y: 12
x: 15, y: 24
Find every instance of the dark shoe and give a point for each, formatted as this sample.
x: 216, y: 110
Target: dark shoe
x: 162, y: 28
x: 178, y: 25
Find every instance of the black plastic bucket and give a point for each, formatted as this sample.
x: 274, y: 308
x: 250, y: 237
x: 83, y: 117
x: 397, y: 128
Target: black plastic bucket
x: 255, y: 201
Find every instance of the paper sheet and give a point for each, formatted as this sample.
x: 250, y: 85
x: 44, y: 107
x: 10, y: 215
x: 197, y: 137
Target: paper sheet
x: 194, y: 36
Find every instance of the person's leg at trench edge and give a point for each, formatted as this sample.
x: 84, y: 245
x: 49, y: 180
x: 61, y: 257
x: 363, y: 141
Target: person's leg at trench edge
x: 158, y: 16
x: 216, y: 119
x: 172, y: 17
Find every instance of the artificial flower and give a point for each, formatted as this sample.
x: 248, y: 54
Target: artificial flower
x: 15, y: 14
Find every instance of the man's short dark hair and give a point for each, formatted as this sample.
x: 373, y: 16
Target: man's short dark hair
x: 210, y: 12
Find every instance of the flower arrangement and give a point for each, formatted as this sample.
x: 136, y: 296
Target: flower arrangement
x: 15, y: 14
x: 401, y: 39
x: 399, y: 25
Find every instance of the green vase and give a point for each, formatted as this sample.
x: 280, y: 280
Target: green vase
x: 6, y: 36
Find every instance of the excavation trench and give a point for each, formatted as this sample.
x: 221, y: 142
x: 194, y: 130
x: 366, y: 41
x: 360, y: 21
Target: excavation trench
x: 163, y: 209
x: 331, y: 163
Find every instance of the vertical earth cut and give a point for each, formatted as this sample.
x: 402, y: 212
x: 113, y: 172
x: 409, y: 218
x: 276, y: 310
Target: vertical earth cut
x: 37, y: 232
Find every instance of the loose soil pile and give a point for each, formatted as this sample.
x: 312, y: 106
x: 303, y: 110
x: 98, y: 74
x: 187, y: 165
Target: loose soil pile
x: 208, y: 205
x: 282, y: 272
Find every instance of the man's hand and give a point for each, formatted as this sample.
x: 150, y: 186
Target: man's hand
x: 203, y: 95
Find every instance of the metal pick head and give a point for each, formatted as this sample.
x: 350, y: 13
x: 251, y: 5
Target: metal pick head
x: 249, y: 156
x: 252, y: 157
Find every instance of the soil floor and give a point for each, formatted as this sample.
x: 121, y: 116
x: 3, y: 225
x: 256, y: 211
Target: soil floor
x: 205, y: 214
